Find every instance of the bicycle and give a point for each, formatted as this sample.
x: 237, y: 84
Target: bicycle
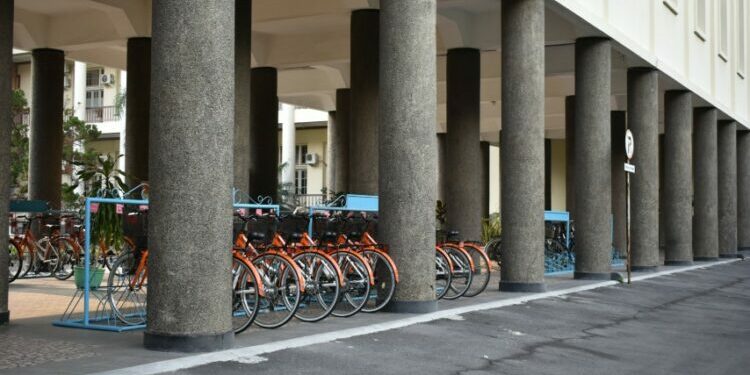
x: 479, y: 262
x: 35, y: 256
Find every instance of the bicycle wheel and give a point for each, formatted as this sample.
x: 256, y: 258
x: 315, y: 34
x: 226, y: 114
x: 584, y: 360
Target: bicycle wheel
x: 68, y: 258
x: 15, y: 262
x: 111, y: 254
x: 47, y: 259
x: 126, y: 290
x: 385, y: 281
x: 443, y: 273
x: 321, y: 286
x: 461, y: 274
x: 356, y: 273
x: 482, y: 269
x: 281, y: 290
x: 244, y: 296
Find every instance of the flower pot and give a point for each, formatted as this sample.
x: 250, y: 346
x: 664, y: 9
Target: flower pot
x: 96, y: 274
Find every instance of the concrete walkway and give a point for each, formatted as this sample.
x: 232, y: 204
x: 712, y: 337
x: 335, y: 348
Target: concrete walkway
x: 509, y: 322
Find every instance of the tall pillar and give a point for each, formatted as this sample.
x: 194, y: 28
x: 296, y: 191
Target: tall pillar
x: 407, y: 148
x: 570, y: 156
x: 46, y: 133
x: 441, y: 167
x: 678, y: 178
x: 727, y: 159
x: 331, y: 161
x: 338, y: 136
x: 137, y: 122
x: 189, y: 291
x: 743, y: 195
x: 242, y: 43
x: 79, y: 90
x: 288, y: 143
x: 522, y: 146
x: 593, y: 155
x: 6, y: 66
x: 643, y: 121
x: 619, y: 196
x: 706, y: 200
x: 264, y: 134
x: 484, y: 172
x: 363, y: 136
x: 463, y: 156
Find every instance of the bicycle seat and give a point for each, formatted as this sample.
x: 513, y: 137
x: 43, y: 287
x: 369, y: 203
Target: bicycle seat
x: 355, y: 234
x: 330, y: 235
x: 295, y: 236
x: 257, y: 236
x: 452, y: 233
x: 52, y: 226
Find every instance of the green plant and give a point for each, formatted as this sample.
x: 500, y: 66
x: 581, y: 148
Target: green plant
x: 491, y: 227
x: 102, y: 178
x: 120, y: 103
x: 19, y: 148
x: 440, y: 212
x: 76, y: 135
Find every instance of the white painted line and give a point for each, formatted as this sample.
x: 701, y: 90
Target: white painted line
x: 251, y: 354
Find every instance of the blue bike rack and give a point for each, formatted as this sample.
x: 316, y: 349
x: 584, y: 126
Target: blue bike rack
x: 352, y: 202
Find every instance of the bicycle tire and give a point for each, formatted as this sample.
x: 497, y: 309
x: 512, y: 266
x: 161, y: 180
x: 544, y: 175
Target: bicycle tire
x: 385, y: 280
x: 245, y: 296
x: 443, y: 273
x: 27, y: 258
x: 321, y: 274
x: 128, y: 304
x: 280, y: 288
x: 461, y: 273
x: 356, y: 272
x: 15, y: 262
x: 482, y: 270
x: 68, y: 259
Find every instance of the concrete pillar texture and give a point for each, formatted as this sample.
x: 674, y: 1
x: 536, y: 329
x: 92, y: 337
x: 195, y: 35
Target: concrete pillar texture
x: 46, y: 133
x: 189, y: 296
x: 706, y: 180
x: 407, y: 148
x: 6, y: 65
x: 138, y: 109
x: 643, y: 121
x: 339, y: 139
x: 619, y: 194
x: 264, y: 134
x: 678, y: 178
x: 242, y: 45
x: 522, y: 146
x: 330, y: 182
x: 743, y: 195
x: 570, y: 159
x: 363, y: 134
x: 593, y: 155
x: 727, y: 161
x: 463, y: 155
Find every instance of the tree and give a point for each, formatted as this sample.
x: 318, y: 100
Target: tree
x: 19, y: 148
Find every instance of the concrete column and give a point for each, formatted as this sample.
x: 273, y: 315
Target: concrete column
x: 570, y: 156
x: 643, y: 121
x: 46, y: 134
x: 264, y: 133
x: 363, y: 136
x: 706, y: 180
x: 6, y: 122
x: 138, y: 110
x: 619, y: 195
x: 678, y: 178
x: 441, y: 166
x: 242, y: 43
x: 330, y: 181
x: 288, y: 142
x: 338, y: 137
x: 743, y: 195
x: 522, y: 146
x: 189, y: 291
x: 661, y: 199
x: 727, y: 160
x: 484, y: 172
x: 593, y: 155
x: 407, y: 148
x: 79, y: 90
x: 463, y: 156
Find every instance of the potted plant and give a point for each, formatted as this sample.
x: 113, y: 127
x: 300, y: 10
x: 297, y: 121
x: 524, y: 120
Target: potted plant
x: 101, y: 178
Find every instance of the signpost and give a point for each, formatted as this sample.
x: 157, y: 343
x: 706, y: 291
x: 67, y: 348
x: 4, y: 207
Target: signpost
x: 629, y: 169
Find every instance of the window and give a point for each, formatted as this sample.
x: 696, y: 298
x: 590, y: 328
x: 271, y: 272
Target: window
x: 672, y: 5
x: 94, y: 98
x: 700, y: 19
x: 723, y: 29
x: 300, y: 181
x: 300, y: 153
x: 92, y: 77
x: 741, y: 48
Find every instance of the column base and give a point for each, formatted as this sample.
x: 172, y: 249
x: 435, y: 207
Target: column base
x: 188, y: 343
x: 678, y: 262
x: 4, y: 317
x: 411, y: 307
x: 727, y: 255
x: 743, y: 249
x: 592, y: 275
x: 705, y: 259
x: 644, y: 268
x: 520, y: 287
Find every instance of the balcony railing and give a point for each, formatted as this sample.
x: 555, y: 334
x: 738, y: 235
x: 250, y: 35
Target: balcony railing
x: 307, y: 200
x: 102, y: 114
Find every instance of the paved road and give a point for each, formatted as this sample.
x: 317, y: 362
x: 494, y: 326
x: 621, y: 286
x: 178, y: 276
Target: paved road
x: 688, y: 323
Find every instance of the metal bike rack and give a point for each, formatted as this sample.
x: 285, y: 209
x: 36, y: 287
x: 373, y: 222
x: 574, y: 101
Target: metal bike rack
x: 352, y: 202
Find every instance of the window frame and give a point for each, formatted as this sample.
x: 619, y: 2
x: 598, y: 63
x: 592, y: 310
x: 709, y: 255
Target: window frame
x: 741, y: 60
x: 723, y: 26
x: 698, y: 29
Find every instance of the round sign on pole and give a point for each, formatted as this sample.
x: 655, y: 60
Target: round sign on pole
x: 629, y: 144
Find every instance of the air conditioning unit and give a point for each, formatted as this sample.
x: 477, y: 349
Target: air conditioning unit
x: 311, y: 158
x: 107, y: 79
